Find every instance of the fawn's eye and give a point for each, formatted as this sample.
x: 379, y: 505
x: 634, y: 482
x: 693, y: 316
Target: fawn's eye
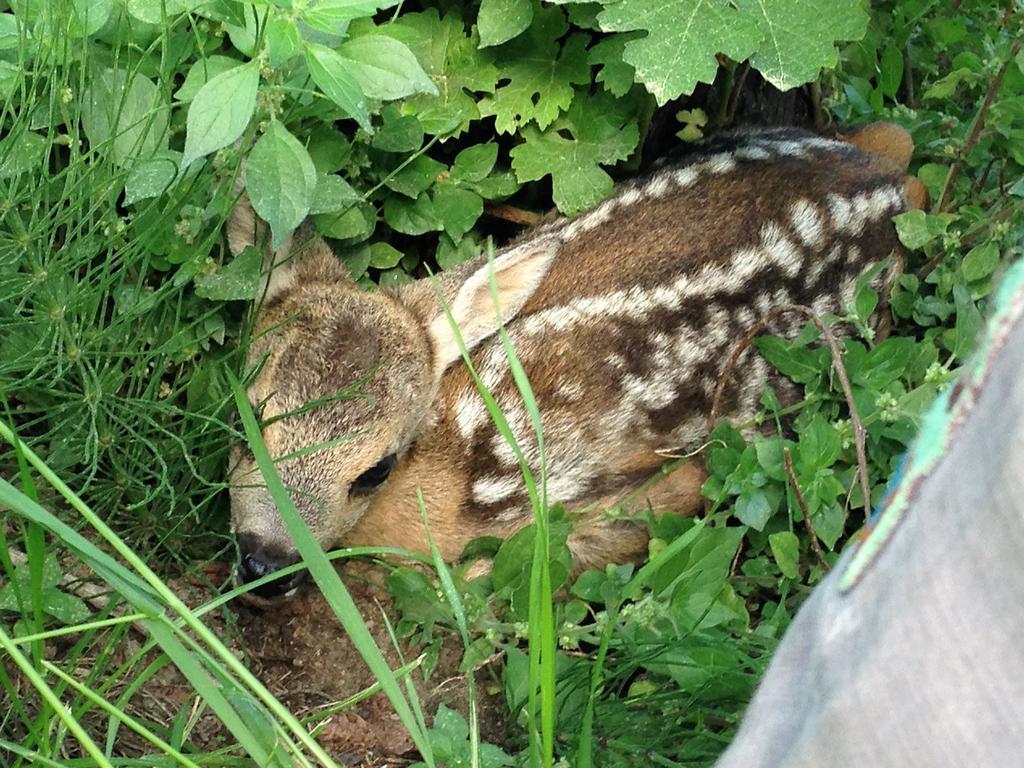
x: 375, y: 475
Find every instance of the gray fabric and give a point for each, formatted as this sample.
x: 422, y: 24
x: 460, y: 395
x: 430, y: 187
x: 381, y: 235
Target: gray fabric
x: 922, y: 662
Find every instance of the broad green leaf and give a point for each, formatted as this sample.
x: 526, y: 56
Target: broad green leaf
x: 220, y: 111
x: 399, y: 133
x: 917, y: 228
x: 385, y: 68
x: 449, y: 253
x: 332, y: 16
x: 786, y: 551
x: 200, y: 73
x: 798, y: 38
x: 981, y: 261
x: 800, y: 364
x: 753, y: 509
x: 333, y: 194
x: 124, y: 114
x: 416, y: 177
x: 412, y: 217
x: 615, y: 74
x: 155, y: 11
x: 283, y: 40
x: 454, y: 64
x: 603, y: 132
x: 501, y: 20
x: 280, y: 179
x: 683, y: 40
x: 10, y: 76
x: 457, y: 208
x: 819, y: 445
x: 541, y: 73
x: 384, y: 256
x: 89, y: 16
x: 237, y: 280
x: 21, y: 153
x: 475, y: 163
x: 9, y: 39
x: 357, y: 223
x: 336, y: 78
x: 890, y: 70
x: 151, y: 177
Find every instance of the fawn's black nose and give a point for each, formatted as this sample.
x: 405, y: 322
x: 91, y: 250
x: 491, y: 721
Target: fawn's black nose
x: 257, y: 561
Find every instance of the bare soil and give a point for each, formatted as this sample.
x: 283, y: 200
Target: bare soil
x: 299, y: 650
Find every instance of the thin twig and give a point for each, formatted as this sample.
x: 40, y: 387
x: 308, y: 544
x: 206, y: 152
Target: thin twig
x: 815, y: 544
x: 908, y: 77
x: 737, y: 90
x: 976, y: 127
x: 838, y: 367
x: 814, y: 92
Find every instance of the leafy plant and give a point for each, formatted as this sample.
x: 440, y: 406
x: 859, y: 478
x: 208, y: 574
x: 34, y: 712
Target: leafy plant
x: 410, y: 134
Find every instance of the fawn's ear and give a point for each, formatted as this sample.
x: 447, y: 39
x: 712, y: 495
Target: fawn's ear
x: 517, y: 274
x: 302, y: 258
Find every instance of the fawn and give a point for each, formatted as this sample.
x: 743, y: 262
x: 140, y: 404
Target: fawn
x: 622, y: 318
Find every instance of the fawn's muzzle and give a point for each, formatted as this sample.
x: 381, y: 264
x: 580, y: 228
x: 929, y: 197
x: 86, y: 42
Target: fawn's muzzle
x: 256, y: 561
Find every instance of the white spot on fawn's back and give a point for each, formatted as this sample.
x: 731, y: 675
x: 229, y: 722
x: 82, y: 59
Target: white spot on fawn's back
x: 807, y: 222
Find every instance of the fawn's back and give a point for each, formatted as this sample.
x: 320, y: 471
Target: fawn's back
x: 623, y: 319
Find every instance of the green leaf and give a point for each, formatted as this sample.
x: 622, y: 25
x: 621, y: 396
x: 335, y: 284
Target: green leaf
x: 155, y: 11
x: 917, y: 228
x: 890, y: 70
x: 335, y: 77
x: 616, y: 75
x: 501, y: 20
x: 150, y: 178
x: 333, y: 194
x: 280, y: 179
x: 801, y: 365
x: 602, y: 130
x: 283, y: 40
x: 88, y: 16
x: 220, y: 111
x: 980, y: 262
x: 449, y: 253
x: 416, y: 177
x: 9, y: 39
x: 385, y: 68
x: 201, y: 72
x: 236, y: 281
x: 21, y: 153
x: 384, y: 256
x: 819, y: 444
x: 786, y: 550
x: 753, y: 509
x: 454, y: 64
x: 541, y: 73
x: 332, y: 16
x: 683, y: 40
x: 125, y: 112
x: 399, y: 133
x: 799, y: 39
x: 474, y: 163
x: 457, y: 208
x: 357, y: 223
x: 412, y: 217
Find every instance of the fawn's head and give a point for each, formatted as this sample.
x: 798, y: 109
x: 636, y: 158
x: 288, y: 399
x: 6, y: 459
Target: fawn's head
x: 344, y: 379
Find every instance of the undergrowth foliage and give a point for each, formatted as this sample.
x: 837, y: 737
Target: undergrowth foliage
x: 411, y: 133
